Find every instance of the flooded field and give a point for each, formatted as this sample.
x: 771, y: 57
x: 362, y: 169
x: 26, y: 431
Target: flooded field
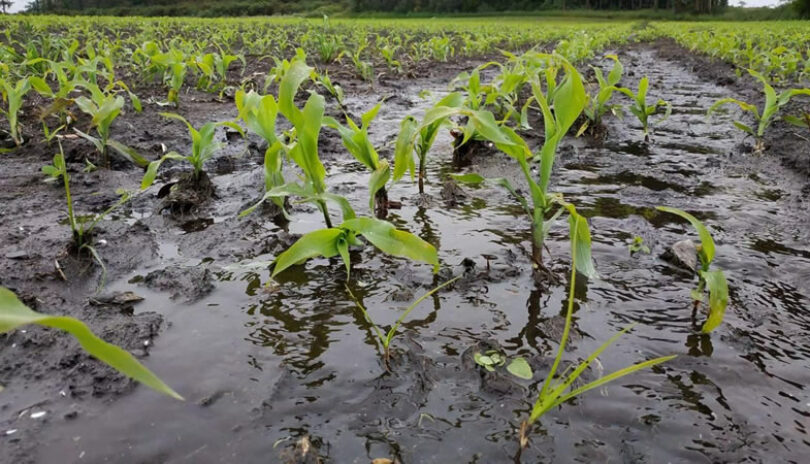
x: 289, y: 370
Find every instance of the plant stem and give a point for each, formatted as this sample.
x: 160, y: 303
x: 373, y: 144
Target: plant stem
x: 381, y: 203
x: 326, y: 218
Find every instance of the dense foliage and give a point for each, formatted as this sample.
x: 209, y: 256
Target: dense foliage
x: 269, y: 7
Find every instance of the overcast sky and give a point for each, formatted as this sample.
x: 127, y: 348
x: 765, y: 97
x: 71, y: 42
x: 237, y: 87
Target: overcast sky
x: 20, y: 4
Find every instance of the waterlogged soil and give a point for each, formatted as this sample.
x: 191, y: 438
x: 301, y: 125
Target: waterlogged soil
x: 288, y: 370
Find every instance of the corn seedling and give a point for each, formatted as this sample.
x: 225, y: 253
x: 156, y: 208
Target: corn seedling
x: 493, y: 359
x: 303, y: 150
x: 355, y: 139
x: 769, y: 113
x: 259, y: 114
x: 335, y: 241
x: 13, y: 95
x: 637, y: 245
x: 14, y: 314
x: 598, y: 105
x: 328, y: 43
x: 104, y: 108
x: 556, y: 390
x: 82, y: 227
x: 561, y: 108
x: 641, y: 109
x: 363, y: 68
x: 335, y: 90
x: 713, y: 279
x: 386, y: 338
x: 203, y: 148
x: 417, y: 137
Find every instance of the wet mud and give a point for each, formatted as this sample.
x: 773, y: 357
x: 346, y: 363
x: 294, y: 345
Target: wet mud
x: 289, y: 371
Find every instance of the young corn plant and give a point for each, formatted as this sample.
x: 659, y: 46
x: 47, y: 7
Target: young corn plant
x: 82, y: 227
x: 355, y: 139
x: 385, y: 338
x: 641, y: 109
x: 712, y: 279
x: 307, y: 123
x: 493, y: 359
x: 260, y: 114
x: 557, y: 389
x: 560, y: 108
x: 363, y: 68
x: 203, y: 148
x: 767, y: 115
x: 419, y: 137
x: 104, y: 108
x: 598, y: 105
x: 14, y: 314
x: 335, y: 241
x: 13, y: 95
x: 335, y: 90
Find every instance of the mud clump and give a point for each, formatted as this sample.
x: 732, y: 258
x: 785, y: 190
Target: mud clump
x: 187, y: 194
x: 191, y: 283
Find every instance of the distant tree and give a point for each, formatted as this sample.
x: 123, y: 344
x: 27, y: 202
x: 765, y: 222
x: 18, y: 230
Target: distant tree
x: 5, y: 5
x: 802, y: 8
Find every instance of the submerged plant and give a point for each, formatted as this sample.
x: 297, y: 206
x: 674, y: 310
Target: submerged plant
x: 203, y: 148
x: 713, y: 279
x: 387, y: 337
x: 493, y: 359
x: 15, y: 314
x: 556, y: 390
x: 335, y: 241
x: 356, y: 140
x: 641, y: 109
x: 769, y: 113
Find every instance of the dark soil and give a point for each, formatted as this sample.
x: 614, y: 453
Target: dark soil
x: 288, y: 371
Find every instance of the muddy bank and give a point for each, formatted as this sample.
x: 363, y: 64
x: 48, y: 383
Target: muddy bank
x: 265, y: 365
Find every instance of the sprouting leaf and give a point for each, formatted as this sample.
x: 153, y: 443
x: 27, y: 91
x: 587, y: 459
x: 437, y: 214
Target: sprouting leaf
x: 471, y: 178
x: 520, y: 368
x: 13, y: 314
x: 318, y: 243
x: 718, y: 298
x: 387, y: 238
x: 707, y: 244
x: 581, y: 234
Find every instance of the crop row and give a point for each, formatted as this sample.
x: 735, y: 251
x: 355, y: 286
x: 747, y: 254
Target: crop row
x: 97, y: 70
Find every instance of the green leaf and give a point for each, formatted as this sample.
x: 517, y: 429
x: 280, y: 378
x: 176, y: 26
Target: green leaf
x: 520, y: 368
x: 707, y: 244
x: 127, y: 152
x: 581, y: 234
x: 718, y: 298
x: 319, y: 243
x: 387, y: 238
x: 403, y: 153
x: 471, y: 178
x: 13, y: 314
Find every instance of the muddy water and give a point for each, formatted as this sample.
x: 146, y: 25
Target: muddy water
x: 263, y: 365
